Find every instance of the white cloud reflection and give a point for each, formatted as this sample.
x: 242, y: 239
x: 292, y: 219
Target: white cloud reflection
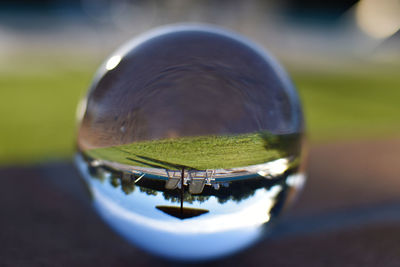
x: 252, y: 214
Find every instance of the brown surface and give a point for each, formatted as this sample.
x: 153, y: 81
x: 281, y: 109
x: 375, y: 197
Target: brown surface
x: 348, y: 215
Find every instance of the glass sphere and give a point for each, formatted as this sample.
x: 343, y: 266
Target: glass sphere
x: 190, y: 141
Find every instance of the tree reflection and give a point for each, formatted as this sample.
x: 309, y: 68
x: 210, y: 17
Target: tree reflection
x: 128, y: 185
x: 228, y: 191
x: 149, y: 191
x: 286, y: 144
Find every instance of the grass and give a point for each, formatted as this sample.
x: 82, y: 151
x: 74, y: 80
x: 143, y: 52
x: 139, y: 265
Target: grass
x: 38, y: 98
x: 201, y: 153
x: 350, y: 105
x: 37, y: 109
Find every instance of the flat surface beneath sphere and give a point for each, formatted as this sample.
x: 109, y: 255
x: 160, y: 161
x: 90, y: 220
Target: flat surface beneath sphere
x: 347, y: 215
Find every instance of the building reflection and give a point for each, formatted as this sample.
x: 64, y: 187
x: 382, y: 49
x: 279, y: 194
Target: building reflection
x: 198, y: 185
x: 226, y: 216
x: 197, y: 212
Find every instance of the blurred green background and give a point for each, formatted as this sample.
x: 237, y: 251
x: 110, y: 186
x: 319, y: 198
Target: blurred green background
x: 38, y: 103
x: 346, y: 94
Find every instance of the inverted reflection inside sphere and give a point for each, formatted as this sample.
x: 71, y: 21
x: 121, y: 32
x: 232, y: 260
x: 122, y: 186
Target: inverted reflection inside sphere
x: 190, y: 142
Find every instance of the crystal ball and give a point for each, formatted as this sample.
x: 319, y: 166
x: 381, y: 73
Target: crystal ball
x: 190, y: 141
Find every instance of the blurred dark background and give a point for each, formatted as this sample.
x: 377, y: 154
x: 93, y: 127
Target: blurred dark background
x: 343, y: 56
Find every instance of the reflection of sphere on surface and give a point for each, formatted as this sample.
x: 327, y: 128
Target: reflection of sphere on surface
x: 205, y: 126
